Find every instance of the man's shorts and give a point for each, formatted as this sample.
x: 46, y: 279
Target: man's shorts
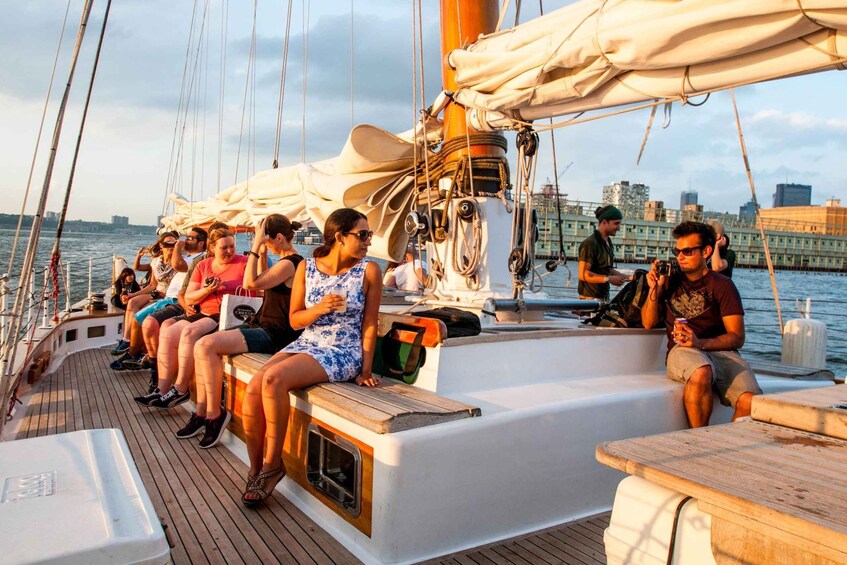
x: 168, y: 312
x: 258, y: 340
x: 153, y: 307
x: 731, y: 375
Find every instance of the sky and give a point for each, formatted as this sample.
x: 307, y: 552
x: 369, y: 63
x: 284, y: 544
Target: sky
x: 795, y: 129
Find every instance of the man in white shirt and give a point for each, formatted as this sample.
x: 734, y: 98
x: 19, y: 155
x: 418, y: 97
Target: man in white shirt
x: 410, y: 275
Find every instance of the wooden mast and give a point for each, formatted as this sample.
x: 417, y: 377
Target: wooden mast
x: 462, y: 21
x: 470, y: 247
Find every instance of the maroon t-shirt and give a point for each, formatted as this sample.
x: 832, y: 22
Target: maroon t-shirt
x: 704, y: 303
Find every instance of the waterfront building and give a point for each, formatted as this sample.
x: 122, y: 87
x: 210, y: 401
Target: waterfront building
x: 641, y: 240
x: 790, y: 194
x: 687, y: 197
x: 654, y: 211
x: 120, y: 220
x: 748, y: 210
x: 829, y: 219
x: 628, y: 197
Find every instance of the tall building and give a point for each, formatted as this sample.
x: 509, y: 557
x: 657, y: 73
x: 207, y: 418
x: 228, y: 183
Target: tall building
x: 120, y: 220
x: 628, y: 197
x: 687, y: 197
x: 747, y: 211
x: 654, y: 211
x: 790, y: 194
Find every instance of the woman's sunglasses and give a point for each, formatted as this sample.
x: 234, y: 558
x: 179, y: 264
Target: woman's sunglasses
x: 363, y: 235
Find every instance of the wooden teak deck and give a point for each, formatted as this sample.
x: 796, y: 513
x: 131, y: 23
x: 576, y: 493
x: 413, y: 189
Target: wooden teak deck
x: 197, y: 493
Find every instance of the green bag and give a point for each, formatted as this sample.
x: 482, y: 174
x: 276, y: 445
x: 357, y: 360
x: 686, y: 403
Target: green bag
x: 398, y: 359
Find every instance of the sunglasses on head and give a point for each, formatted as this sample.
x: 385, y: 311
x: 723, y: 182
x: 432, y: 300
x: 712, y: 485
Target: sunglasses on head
x: 687, y: 251
x: 363, y: 235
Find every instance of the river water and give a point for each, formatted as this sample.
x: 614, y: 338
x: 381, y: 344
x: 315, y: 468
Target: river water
x: 829, y: 303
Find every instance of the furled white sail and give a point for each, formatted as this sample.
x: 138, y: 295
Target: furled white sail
x: 603, y: 53
x: 373, y: 174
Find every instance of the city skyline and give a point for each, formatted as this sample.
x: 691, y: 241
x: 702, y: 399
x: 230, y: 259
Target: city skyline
x: 795, y: 129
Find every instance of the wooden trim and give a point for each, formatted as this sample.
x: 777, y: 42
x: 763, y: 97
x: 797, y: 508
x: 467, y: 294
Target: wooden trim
x: 295, y: 452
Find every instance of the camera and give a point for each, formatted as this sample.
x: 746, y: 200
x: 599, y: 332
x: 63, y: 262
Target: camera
x: 666, y: 268
x: 210, y: 281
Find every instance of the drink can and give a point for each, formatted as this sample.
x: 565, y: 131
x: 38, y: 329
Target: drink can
x: 676, y: 323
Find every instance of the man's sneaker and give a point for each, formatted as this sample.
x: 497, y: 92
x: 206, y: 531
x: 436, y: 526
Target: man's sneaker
x: 146, y: 399
x: 121, y: 347
x: 132, y: 363
x: 145, y: 362
x: 126, y: 362
x: 172, y: 398
x: 215, y: 430
x: 195, y: 425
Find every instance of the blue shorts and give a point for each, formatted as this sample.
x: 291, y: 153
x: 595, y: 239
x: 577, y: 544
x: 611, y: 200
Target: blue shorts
x: 258, y: 340
x: 153, y: 307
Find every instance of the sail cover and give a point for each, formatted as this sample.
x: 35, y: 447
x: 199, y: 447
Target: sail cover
x: 373, y: 174
x: 603, y: 53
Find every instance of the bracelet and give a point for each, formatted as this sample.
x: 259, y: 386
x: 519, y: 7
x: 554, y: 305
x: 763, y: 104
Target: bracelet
x: 606, y: 279
x: 254, y: 254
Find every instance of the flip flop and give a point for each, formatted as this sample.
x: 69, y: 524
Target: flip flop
x: 258, y: 485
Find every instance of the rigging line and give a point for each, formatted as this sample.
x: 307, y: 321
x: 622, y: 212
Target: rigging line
x: 206, y: 59
x: 250, y: 54
x: 35, y: 229
x: 222, y: 89
x: 756, y: 207
x: 38, y: 141
x: 172, y: 159
x: 306, y: 7
x: 352, y: 68
x: 503, y: 7
x: 191, y: 83
x: 562, y: 256
x: 422, y: 86
x: 282, y: 75
x: 64, y: 212
x: 517, y: 12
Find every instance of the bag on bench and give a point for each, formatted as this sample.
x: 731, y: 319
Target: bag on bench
x: 624, y: 310
x: 459, y: 322
x: 399, y: 359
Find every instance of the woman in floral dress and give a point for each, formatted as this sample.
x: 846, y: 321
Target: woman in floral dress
x: 335, y: 300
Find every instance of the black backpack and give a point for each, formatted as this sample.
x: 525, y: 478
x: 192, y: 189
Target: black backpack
x: 624, y: 310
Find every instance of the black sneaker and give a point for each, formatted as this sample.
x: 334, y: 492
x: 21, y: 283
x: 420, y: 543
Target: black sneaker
x: 121, y: 347
x: 215, y: 430
x: 146, y: 362
x: 146, y: 399
x: 172, y: 398
x: 195, y: 425
x: 125, y: 362
x: 130, y: 363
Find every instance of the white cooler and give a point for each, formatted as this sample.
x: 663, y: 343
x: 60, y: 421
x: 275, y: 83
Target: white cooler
x: 76, y: 498
x: 642, y: 522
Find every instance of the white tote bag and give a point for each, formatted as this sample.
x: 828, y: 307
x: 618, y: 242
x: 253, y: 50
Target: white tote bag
x: 238, y: 308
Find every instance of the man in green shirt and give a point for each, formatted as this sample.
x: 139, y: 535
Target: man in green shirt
x: 597, y: 256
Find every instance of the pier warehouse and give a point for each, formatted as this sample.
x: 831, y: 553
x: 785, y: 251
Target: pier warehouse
x: 810, y: 238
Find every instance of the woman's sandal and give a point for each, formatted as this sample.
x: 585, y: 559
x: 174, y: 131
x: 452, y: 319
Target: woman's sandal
x: 258, y: 485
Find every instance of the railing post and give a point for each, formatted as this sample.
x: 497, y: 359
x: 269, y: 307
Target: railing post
x: 45, y: 315
x: 90, y: 262
x: 30, y: 304
x: 4, y: 324
x: 68, y: 287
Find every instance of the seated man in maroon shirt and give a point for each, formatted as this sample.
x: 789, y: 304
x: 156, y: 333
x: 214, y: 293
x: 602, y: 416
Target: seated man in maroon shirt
x: 704, y: 319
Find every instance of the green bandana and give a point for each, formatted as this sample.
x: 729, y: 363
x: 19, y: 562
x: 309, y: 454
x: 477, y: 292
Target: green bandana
x: 611, y: 213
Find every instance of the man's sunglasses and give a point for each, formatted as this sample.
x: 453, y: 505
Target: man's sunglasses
x: 363, y: 235
x: 688, y: 251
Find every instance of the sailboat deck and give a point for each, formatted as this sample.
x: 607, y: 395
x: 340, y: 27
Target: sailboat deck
x: 196, y: 493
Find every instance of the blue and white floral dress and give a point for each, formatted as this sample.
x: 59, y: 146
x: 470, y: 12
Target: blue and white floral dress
x: 335, y: 339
